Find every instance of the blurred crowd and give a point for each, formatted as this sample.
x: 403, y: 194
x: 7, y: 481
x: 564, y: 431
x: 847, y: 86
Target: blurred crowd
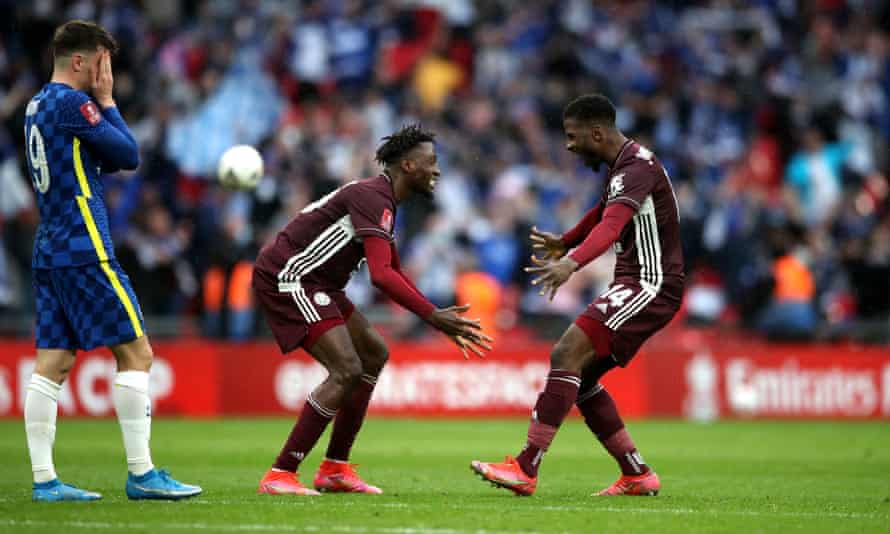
x: 771, y: 116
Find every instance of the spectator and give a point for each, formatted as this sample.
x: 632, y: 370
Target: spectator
x: 762, y: 112
x: 790, y: 314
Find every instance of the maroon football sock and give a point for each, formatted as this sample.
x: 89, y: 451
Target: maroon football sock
x: 311, y: 424
x: 349, y: 420
x: 622, y: 448
x: 552, y: 407
x: 601, y: 416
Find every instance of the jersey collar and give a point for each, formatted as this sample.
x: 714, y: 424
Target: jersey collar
x: 392, y: 184
x: 626, y: 144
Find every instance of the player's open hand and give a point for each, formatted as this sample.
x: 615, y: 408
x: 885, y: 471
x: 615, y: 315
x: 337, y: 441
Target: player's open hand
x: 548, y: 244
x: 466, y: 333
x: 552, y: 274
x: 103, y: 80
x: 475, y: 346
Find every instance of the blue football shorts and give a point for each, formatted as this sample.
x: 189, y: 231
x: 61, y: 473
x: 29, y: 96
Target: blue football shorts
x: 85, y: 307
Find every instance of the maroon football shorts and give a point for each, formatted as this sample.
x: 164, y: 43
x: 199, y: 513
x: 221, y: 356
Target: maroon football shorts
x: 299, y: 317
x: 632, y: 314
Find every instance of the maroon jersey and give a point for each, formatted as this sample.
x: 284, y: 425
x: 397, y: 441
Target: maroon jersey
x: 322, y: 246
x: 649, y: 249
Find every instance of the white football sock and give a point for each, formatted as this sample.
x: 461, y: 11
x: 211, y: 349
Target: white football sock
x: 133, y: 406
x: 41, y: 408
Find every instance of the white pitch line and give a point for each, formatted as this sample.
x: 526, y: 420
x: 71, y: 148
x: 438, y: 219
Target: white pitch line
x: 258, y: 527
x: 593, y: 508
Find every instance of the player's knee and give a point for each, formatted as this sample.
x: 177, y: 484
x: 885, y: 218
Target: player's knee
x: 134, y: 356
x: 563, y: 356
x: 54, y: 368
x: 347, y: 372
x: 64, y: 371
x: 139, y: 361
x: 376, y: 359
x: 559, y: 357
x: 57, y: 374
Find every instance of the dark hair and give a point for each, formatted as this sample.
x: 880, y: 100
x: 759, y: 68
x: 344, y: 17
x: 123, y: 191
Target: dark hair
x: 398, y: 144
x: 593, y: 107
x: 81, y: 35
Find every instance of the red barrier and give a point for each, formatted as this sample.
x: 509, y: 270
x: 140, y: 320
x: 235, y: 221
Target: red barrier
x: 184, y: 379
x: 710, y: 376
x: 682, y: 373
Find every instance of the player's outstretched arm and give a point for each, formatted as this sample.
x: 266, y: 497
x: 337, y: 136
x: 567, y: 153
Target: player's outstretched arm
x: 387, y: 279
x: 553, y: 273
x: 576, y: 235
x: 397, y: 266
x: 467, y: 334
x: 615, y: 217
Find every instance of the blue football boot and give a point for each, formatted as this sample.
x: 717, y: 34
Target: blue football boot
x: 157, y: 484
x: 55, y: 490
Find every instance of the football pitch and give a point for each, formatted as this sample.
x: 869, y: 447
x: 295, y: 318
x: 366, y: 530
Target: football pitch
x: 723, y: 477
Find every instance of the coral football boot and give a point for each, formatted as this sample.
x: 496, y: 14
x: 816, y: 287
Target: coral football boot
x: 646, y: 484
x: 340, y: 477
x: 506, y: 474
x: 283, y: 483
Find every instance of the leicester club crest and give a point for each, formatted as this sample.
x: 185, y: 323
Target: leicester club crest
x: 616, y: 186
x: 386, y: 220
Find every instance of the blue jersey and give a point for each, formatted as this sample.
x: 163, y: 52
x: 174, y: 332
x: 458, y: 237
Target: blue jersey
x: 70, y: 143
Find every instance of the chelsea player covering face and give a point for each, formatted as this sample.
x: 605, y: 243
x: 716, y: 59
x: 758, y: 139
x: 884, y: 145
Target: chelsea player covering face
x: 74, y: 133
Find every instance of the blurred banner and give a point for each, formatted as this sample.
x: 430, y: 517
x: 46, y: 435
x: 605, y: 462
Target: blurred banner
x: 684, y: 373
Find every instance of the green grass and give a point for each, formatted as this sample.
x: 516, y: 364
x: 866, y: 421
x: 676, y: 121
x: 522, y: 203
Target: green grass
x: 726, y: 477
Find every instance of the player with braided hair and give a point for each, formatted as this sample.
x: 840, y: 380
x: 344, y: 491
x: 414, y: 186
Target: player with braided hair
x: 299, y: 279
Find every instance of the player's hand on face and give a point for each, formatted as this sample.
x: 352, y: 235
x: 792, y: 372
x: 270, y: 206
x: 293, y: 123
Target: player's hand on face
x: 103, y: 81
x: 548, y: 244
x: 551, y: 274
x: 466, y: 333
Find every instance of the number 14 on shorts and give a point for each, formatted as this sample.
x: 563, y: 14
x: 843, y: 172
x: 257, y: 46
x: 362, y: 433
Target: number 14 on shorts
x: 615, y: 297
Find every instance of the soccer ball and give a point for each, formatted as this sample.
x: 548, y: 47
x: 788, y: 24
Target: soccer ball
x: 240, y: 167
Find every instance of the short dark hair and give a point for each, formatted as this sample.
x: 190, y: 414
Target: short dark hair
x: 81, y: 35
x: 398, y: 144
x: 592, y: 107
